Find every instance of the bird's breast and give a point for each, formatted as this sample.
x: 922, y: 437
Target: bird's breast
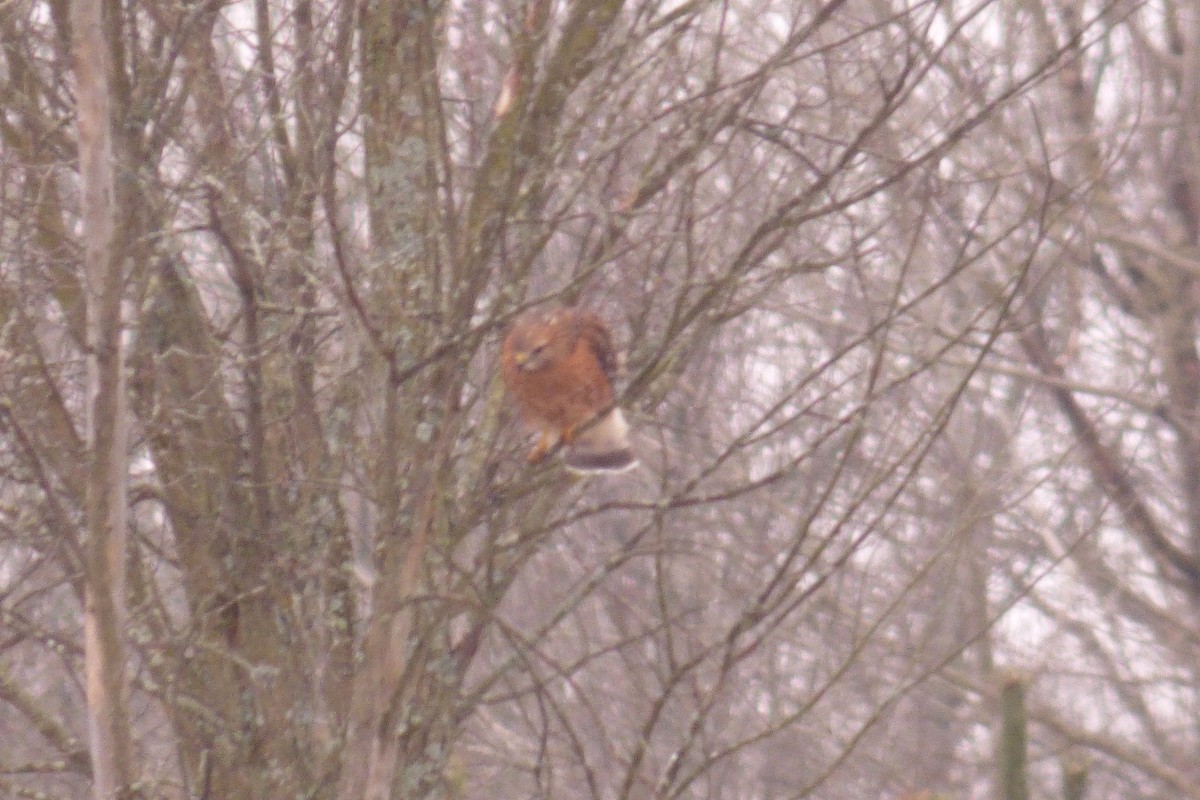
x: 568, y: 391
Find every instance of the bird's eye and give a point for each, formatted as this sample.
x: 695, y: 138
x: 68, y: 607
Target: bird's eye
x: 531, y: 358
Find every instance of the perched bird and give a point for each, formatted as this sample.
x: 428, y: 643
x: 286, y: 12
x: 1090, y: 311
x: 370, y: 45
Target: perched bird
x: 559, y: 364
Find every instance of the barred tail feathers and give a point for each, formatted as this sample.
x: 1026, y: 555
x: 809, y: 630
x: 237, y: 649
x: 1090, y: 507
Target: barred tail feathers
x: 602, y: 446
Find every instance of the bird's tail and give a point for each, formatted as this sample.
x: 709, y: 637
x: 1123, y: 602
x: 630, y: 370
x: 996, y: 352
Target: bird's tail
x: 602, y: 446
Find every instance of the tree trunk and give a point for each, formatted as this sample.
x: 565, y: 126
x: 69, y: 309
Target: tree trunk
x: 104, y: 565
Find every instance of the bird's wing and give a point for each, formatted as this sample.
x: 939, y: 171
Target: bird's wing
x: 597, y: 336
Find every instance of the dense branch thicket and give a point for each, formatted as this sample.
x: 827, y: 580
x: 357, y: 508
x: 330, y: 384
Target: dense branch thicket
x: 909, y: 295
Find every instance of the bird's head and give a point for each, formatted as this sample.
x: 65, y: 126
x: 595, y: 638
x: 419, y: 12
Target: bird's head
x: 531, y: 352
x: 534, y: 337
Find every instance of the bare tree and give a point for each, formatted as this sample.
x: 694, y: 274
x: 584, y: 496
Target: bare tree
x: 907, y: 294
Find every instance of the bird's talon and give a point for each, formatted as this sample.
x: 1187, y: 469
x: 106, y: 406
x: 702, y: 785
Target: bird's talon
x: 538, y: 453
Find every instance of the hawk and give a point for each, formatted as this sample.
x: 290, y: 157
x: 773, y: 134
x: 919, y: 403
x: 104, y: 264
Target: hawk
x: 559, y: 364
